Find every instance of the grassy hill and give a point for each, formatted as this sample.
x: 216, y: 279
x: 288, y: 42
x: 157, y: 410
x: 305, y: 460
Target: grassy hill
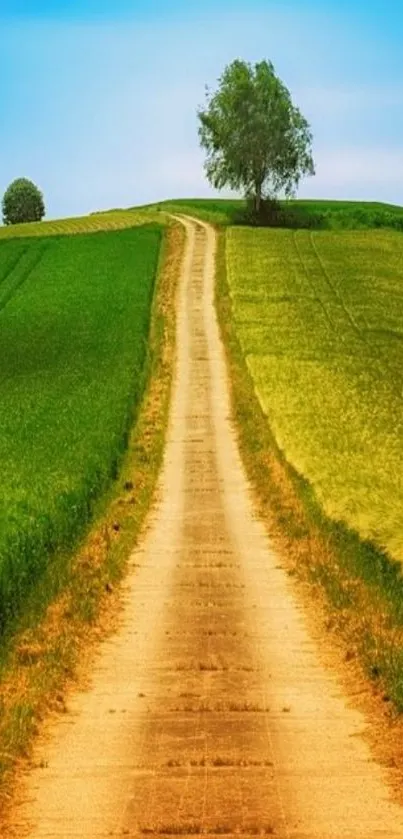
x: 313, y: 324
x: 319, y: 316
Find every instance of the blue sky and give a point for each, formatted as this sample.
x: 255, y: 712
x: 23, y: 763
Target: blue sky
x: 98, y: 97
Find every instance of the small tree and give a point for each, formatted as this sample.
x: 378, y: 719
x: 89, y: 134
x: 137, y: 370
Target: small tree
x: 22, y: 202
x: 256, y: 140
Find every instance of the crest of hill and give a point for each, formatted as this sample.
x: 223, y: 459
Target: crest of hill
x: 311, y: 214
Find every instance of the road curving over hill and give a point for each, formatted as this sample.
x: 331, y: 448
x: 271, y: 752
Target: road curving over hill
x: 209, y: 711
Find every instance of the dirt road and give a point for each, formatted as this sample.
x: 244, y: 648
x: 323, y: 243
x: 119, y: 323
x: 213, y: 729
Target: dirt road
x: 209, y: 711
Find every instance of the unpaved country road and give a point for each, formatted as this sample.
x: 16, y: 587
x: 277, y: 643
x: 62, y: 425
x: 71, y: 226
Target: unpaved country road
x: 209, y: 711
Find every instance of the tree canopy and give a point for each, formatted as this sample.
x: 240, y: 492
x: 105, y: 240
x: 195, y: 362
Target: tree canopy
x: 257, y: 141
x: 22, y: 202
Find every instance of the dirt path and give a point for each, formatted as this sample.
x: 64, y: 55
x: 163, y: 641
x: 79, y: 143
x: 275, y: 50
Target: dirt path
x: 209, y: 711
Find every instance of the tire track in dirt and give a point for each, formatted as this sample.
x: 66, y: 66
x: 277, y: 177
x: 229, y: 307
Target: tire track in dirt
x: 209, y: 712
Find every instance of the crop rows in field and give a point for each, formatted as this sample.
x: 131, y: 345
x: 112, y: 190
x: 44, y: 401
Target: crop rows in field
x: 113, y: 220
x: 74, y: 321
x: 320, y: 319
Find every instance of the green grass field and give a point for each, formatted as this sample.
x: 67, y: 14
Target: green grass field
x: 320, y: 319
x: 74, y: 321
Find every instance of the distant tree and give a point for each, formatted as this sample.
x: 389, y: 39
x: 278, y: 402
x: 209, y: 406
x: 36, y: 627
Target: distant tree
x: 256, y: 140
x: 22, y: 202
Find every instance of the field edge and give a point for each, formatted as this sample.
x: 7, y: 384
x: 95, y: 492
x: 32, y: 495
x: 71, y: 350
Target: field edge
x: 53, y: 654
x: 100, y: 222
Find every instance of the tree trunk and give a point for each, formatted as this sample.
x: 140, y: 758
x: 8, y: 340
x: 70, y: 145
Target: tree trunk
x: 258, y: 195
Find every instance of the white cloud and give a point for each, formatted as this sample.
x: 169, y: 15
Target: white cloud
x: 374, y: 166
x: 375, y: 173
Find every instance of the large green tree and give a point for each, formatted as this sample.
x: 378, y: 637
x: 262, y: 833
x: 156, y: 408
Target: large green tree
x: 22, y: 202
x: 257, y: 141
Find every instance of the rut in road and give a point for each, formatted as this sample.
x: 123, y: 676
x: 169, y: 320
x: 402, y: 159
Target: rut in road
x: 209, y: 710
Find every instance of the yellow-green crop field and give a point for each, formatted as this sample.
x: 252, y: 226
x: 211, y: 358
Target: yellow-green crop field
x: 319, y: 316
x: 112, y: 220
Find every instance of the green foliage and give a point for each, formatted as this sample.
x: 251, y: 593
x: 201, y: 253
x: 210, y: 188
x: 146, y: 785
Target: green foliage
x: 256, y: 140
x: 301, y: 214
x: 74, y: 321
x: 319, y: 316
x: 22, y: 202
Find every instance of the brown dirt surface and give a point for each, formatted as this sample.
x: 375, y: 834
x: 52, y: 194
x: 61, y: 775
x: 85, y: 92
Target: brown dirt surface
x: 211, y: 710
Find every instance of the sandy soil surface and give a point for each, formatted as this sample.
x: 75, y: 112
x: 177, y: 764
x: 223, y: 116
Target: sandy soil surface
x: 210, y: 710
